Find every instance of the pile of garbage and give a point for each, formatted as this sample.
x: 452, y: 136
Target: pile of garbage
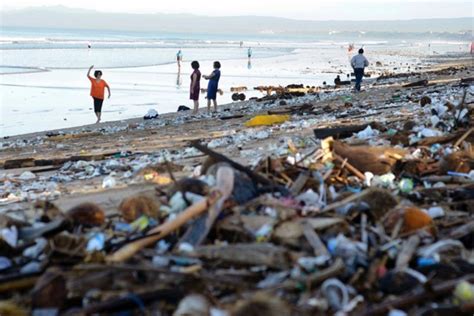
x: 335, y: 228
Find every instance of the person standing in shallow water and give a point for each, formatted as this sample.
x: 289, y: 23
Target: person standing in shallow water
x: 212, y: 86
x: 195, y: 86
x: 359, y: 62
x: 97, y: 91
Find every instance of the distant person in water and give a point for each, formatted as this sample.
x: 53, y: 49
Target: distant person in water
x: 337, y: 81
x: 359, y: 62
x: 249, y: 52
x: 195, y: 86
x: 212, y: 86
x: 179, y: 58
x: 97, y: 91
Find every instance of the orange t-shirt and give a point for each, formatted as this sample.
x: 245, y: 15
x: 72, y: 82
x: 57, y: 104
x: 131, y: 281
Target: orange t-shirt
x: 97, y: 88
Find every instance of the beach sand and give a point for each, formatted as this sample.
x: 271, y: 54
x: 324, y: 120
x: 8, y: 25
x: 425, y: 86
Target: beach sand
x: 59, y: 98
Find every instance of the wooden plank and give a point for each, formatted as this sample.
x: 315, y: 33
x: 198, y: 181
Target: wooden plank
x: 19, y: 163
x: 109, y: 200
x: 338, y: 132
x: 19, y: 171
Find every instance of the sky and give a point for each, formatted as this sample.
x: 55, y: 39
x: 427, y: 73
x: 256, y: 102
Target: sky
x: 294, y: 9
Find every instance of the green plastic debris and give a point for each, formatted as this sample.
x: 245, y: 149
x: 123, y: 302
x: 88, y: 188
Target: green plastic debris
x: 406, y: 185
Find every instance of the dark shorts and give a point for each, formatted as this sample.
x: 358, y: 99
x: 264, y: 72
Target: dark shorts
x: 98, y: 105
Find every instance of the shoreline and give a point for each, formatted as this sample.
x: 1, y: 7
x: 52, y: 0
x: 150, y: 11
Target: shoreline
x: 61, y: 107
x: 171, y: 115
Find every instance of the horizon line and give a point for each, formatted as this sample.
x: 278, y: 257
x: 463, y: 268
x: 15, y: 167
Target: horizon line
x: 229, y: 16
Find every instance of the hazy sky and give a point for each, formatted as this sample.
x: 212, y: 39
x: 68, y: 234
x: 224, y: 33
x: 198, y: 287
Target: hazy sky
x: 297, y: 9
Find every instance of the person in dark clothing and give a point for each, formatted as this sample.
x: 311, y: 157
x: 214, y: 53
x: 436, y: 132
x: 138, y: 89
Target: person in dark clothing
x: 213, y: 86
x: 359, y: 62
x: 195, y: 86
x: 337, y: 81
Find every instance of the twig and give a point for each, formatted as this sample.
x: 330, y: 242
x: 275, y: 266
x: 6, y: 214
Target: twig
x: 408, y: 249
x: 463, y: 137
x: 123, y: 303
x: 417, y: 296
x: 170, y: 172
x: 461, y: 106
x: 314, y: 240
x: 343, y: 202
x: 350, y: 167
x: 254, y: 176
x: 299, y: 183
x: 337, y: 268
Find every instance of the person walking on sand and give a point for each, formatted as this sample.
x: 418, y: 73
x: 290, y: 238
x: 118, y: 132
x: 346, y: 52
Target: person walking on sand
x: 97, y: 91
x: 212, y: 86
x: 195, y: 86
x: 359, y: 62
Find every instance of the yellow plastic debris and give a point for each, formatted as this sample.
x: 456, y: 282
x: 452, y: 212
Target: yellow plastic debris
x: 464, y: 292
x: 155, y: 177
x: 260, y: 120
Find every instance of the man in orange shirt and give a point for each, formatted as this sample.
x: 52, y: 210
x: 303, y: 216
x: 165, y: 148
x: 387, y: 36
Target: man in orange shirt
x: 97, y: 91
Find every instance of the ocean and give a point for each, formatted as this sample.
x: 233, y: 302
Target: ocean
x: 43, y: 84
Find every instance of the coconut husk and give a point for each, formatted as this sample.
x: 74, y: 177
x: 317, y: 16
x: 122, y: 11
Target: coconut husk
x: 378, y: 160
x: 87, y: 214
x: 133, y: 207
x: 460, y: 161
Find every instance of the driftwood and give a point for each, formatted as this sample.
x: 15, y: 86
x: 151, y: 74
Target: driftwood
x: 200, y: 228
x: 313, y: 280
x: 53, y: 162
x: 18, y: 281
x: 421, y: 83
x: 293, y: 89
x: 314, y: 240
x: 19, y: 163
x: 408, y: 250
x: 238, y: 89
x: 254, y: 254
x: 130, y: 302
x: 299, y: 183
x: 224, y: 118
x: 219, y: 157
x: 338, y: 132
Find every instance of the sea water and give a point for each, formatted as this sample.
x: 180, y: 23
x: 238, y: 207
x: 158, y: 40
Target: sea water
x: 43, y: 82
